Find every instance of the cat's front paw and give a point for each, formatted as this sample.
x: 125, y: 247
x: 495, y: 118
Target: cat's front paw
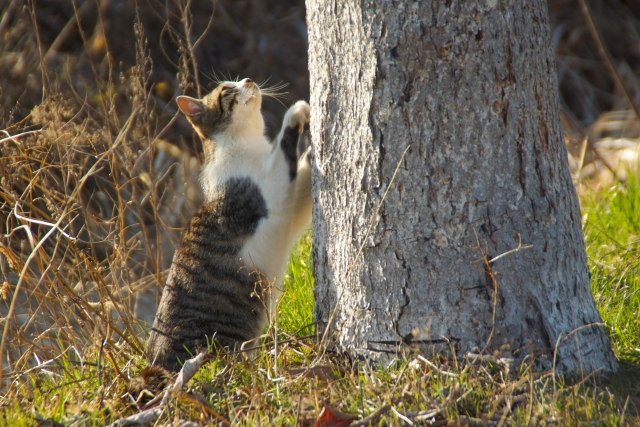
x: 298, y: 115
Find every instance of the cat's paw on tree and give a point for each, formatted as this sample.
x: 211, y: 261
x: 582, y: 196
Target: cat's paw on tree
x: 298, y: 115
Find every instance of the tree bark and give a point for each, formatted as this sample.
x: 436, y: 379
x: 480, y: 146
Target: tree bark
x: 470, y: 88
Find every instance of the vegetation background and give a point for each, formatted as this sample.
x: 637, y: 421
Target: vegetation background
x: 98, y: 175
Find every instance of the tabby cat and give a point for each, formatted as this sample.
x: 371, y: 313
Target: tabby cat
x: 229, y: 265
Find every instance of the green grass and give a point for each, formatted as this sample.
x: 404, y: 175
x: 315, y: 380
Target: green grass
x: 612, y: 236
x: 264, y: 390
x: 295, y: 313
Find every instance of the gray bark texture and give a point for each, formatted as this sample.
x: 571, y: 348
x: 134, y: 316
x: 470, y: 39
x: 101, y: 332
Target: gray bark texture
x: 470, y: 87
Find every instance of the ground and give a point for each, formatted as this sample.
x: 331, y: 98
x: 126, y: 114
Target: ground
x: 99, y: 175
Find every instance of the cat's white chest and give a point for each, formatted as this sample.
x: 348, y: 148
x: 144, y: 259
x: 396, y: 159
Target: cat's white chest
x: 267, y: 249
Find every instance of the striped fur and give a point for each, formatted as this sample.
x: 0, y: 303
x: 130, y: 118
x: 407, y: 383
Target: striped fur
x: 234, y: 250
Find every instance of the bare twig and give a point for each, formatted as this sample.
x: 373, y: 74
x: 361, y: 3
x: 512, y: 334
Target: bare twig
x: 67, y: 30
x: 7, y: 15
x: 382, y: 410
x: 187, y: 372
x: 374, y: 416
x: 583, y: 151
x: 205, y: 407
x: 603, y: 51
x: 574, y: 123
x: 209, y: 25
x: 434, y: 367
x: 37, y: 221
x: 519, y: 248
x: 32, y: 255
x: 14, y: 137
x: 187, y: 22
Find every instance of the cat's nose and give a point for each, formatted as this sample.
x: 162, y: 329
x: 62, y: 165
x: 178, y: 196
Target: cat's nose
x: 247, y: 80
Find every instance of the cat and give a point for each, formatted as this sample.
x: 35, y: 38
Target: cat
x: 227, y: 270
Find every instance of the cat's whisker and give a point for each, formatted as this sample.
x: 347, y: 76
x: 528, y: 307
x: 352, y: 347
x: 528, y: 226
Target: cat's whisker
x: 274, y: 93
x: 275, y: 96
x: 215, y: 78
x: 275, y: 89
x: 211, y: 78
x: 264, y: 82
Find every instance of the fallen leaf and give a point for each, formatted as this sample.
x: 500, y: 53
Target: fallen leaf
x: 330, y: 417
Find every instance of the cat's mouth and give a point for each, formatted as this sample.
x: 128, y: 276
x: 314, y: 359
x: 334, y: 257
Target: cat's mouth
x: 249, y: 91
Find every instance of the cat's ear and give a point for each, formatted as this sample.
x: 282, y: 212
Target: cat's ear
x: 191, y: 107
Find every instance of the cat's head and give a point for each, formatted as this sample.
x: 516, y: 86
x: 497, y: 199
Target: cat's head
x: 233, y: 108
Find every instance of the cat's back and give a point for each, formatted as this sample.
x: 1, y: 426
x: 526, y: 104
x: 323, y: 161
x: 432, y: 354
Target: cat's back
x: 210, y: 292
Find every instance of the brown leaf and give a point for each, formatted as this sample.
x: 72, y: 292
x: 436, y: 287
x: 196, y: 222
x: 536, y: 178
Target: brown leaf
x: 330, y: 417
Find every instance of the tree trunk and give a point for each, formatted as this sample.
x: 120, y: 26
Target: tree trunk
x: 469, y: 87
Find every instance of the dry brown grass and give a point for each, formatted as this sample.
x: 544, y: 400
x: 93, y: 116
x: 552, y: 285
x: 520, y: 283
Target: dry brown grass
x: 89, y: 222
x: 99, y: 172
x: 98, y: 175
x: 598, y: 70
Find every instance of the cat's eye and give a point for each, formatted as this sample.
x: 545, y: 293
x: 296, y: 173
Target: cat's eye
x: 227, y: 90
